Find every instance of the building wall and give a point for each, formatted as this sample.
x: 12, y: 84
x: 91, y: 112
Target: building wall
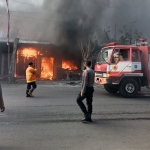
x: 4, y: 57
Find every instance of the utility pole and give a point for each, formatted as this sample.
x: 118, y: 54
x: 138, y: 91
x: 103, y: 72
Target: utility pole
x: 13, y: 62
x: 8, y: 13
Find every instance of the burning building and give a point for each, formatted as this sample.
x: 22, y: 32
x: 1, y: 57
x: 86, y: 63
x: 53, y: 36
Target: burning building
x: 51, y: 61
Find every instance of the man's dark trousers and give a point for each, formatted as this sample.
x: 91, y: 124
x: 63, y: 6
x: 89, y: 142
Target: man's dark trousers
x: 89, y: 99
x: 29, y: 89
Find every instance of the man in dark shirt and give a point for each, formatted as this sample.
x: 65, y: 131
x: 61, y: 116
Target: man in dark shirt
x: 2, y: 107
x: 86, y: 92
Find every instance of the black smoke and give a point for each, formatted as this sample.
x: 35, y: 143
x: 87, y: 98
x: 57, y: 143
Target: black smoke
x: 60, y: 21
x: 72, y: 15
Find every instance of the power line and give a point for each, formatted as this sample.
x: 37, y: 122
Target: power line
x: 14, y: 11
x: 26, y: 12
x: 27, y: 17
x: 31, y: 5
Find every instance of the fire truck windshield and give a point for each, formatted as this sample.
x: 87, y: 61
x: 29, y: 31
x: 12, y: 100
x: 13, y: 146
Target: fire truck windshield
x: 104, y: 55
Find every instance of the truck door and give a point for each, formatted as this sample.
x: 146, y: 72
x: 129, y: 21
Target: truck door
x: 120, y: 62
x: 136, y: 61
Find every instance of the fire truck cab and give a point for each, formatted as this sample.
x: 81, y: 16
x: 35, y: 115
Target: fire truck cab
x: 124, y: 68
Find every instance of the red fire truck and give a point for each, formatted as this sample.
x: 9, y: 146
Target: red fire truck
x: 124, y: 68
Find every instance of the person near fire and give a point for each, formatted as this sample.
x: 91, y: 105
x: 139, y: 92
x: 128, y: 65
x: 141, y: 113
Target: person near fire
x: 30, y: 79
x: 2, y: 106
x: 86, y: 92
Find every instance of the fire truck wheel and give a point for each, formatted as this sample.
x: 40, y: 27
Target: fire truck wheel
x: 128, y: 88
x: 110, y: 88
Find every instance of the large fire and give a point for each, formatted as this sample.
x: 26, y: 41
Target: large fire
x: 69, y: 65
x: 44, y: 63
x: 47, y: 64
x: 28, y: 52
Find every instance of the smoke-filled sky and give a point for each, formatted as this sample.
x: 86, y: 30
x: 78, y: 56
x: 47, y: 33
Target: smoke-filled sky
x: 59, y: 21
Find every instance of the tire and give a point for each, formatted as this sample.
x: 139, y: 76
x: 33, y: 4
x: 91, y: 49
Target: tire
x: 128, y: 88
x: 110, y: 88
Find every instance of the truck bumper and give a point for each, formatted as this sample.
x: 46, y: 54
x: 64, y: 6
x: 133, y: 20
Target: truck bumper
x: 103, y: 80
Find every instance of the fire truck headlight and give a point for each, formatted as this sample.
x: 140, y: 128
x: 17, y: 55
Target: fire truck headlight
x: 106, y: 75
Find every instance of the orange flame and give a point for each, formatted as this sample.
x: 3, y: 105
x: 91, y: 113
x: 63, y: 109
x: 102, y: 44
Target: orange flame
x: 47, y: 63
x: 28, y: 52
x: 47, y: 68
x: 69, y: 65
